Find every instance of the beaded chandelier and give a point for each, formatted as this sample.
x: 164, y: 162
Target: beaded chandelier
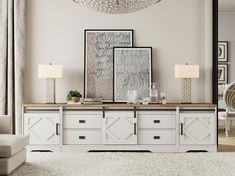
x: 117, y: 6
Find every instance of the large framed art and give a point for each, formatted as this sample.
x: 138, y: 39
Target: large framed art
x: 132, y: 71
x: 98, y: 60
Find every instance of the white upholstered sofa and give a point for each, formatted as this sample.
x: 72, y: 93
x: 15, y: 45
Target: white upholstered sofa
x: 12, y: 147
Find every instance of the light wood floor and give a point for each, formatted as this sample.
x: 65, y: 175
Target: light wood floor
x: 226, y: 144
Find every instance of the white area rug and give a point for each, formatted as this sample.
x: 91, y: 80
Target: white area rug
x: 128, y: 164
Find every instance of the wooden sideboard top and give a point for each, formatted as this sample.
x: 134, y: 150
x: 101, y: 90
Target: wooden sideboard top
x: 120, y: 105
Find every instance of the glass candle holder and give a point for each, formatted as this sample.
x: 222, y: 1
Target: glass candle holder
x: 132, y: 96
x: 163, y: 97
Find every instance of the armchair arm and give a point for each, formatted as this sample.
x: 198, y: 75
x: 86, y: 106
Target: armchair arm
x: 5, y: 124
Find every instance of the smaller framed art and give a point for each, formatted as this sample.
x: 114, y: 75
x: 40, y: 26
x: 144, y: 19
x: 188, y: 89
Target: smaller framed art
x: 132, y: 71
x: 222, y: 73
x: 223, y: 51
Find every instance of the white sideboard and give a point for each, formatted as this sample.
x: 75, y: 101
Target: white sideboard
x: 118, y: 127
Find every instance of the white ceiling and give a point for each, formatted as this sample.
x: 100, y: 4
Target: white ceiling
x: 226, y: 5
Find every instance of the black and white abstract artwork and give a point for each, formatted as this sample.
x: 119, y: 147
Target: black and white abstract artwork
x: 98, y: 76
x: 132, y: 71
x: 222, y: 51
x: 222, y: 73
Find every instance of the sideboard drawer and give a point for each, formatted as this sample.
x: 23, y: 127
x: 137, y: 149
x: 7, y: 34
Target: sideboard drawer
x: 82, y: 137
x: 156, y: 121
x: 82, y: 121
x: 156, y: 137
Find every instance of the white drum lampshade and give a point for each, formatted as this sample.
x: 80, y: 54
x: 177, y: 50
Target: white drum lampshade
x: 186, y: 73
x: 50, y: 72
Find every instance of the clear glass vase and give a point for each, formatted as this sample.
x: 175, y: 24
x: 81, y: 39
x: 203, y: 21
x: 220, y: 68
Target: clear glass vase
x: 153, y: 93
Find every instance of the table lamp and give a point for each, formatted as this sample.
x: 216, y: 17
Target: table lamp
x: 186, y: 73
x: 50, y: 72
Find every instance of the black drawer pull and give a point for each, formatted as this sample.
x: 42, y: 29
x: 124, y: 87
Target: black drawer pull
x: 181, y: 129
x: 82, y: 121
x: 156, y: 137
x: 57, y: 129
x: 156, y: 121
x: 135, y: 126
x: 82, y: 137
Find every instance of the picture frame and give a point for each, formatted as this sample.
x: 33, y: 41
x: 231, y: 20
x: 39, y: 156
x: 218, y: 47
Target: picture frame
x: 98, y: 60
x: 222, y: 51
x: 223, y: 74
x: 132, y: 71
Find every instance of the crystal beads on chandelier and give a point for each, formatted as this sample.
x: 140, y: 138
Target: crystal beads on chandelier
x: 117, y: 6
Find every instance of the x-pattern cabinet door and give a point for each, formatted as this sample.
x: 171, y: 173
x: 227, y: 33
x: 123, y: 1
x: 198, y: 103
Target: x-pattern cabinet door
x: 42, y: 128
x: 197, y: 128
x: 119, y: 128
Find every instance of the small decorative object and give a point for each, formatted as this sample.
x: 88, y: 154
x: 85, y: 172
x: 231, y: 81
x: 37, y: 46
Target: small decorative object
x: 153, y: 93
x: 74, y: 96
x: 117, y: 6
x: 92, y: 101
x: 146, y: 100
x: 132, y: 96
x: 50, y: 72
x: 186, y: 73
x: 132, y: 71
x: 222, y: 73
x: 163, y: 97
x: 223, y: 51
x: 98, y: 74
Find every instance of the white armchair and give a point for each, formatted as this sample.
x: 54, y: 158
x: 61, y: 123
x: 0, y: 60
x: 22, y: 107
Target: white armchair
x: 12, y: 147
x: 229, y: 100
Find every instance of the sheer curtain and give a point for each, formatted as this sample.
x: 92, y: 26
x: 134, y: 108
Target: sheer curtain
x: 12, y: 47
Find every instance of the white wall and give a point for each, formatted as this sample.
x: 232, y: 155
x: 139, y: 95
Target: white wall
x: 174, y: 28
x: 227, y: 33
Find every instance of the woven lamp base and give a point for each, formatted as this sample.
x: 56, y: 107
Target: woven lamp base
x: 186, y: 94
x: 50, y: 91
